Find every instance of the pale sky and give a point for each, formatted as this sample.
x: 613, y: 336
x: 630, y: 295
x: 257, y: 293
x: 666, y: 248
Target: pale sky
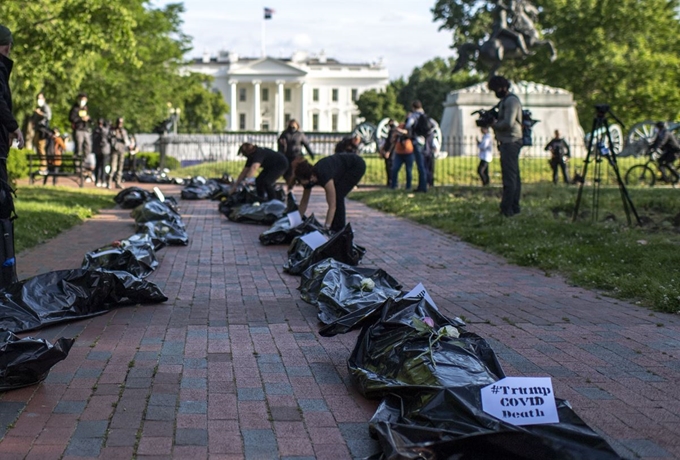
x: 401, y: 32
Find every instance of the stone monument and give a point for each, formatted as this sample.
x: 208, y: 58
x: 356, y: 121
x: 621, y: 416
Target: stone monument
x: 553, y: 107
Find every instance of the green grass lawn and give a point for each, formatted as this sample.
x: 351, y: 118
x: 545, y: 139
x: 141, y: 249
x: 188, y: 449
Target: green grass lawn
x: 641, y: 264
x: 44, y: 212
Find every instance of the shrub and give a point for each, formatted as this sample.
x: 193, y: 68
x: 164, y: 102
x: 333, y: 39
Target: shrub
x: 17, y: 164
x: 153, y: 160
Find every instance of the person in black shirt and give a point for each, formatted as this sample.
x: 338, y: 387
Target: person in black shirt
x: 338, y: 174
x: 80, y: 121
x: 273, y: 165
x: 291, y: 142
x: 559, y: 149
x: 666, y: 142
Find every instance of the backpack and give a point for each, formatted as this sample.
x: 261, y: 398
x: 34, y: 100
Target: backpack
x: 422, y: 126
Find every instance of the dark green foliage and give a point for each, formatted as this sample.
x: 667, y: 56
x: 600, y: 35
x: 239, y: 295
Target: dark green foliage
x: 126, y: 55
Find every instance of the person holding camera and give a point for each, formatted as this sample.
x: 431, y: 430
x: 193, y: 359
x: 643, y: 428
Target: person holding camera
x: 559, y: 149
x: 666, y: 142
x: 508, y: 130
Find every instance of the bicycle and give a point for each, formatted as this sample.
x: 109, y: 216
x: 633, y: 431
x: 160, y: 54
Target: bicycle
x: 649, y: 173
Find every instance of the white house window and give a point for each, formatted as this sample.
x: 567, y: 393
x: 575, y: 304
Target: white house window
x: 265, y: 126
x: 286, y: 118
x: 242, y: 95
x: 334, y: 122
x: 315, y: 122
x: 315, y: 94
x: 265, y: 94
x: 355, y: 94
x: 334, y: 94
x: 242, y: 121
x: 286, y: 95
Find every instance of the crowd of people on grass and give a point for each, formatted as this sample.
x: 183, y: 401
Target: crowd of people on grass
x: 102, y: 148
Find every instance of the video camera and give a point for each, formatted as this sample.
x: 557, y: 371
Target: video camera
x: 486, y: 117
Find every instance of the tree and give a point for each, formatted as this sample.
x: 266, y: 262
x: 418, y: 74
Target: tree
x: 374, y: 105
x: 127, y: 55
x: 431, y: 84
x: 621, y: 52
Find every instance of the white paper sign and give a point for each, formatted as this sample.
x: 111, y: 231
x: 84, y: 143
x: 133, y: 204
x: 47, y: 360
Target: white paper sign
x: 419, y: 292
x: 159, y: 194
x: 314, y: 239
x: 294, y: 218
x: 521, y: 400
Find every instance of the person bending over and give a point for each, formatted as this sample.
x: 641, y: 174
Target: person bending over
x: 338, y: 174
x: 273, y: 165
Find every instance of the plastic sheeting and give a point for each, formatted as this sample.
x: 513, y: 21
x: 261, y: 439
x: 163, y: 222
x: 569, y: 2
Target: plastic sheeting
x: 258, y: 213
x: 156, y: 176
x: 27, y: 361
x: 200, y: 188
x: 430, y: 372
x: 169, y: 232
x: 132, y: 197
x: 339, y: 246
x: 154, y: 210
x: 448, y: 423
x: 135, y: 255
x: 281, y: 231
x: 67, y: 295
x: 244, y: 195
x: 346, y: 296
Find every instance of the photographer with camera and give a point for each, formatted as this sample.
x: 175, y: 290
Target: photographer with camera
x: 559, y: 149
x: 666, y: 142
x: 508, y: 130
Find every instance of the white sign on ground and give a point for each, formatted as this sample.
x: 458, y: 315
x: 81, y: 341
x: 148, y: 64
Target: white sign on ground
x: 314, y: 239
x: 521, y: 400
x: 294, y: 218
x: 419, y: 292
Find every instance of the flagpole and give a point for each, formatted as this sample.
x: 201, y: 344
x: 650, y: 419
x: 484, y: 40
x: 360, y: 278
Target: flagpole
x: 264, y: 53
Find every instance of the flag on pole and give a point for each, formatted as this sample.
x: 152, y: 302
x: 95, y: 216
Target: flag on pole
x: 268, y: 13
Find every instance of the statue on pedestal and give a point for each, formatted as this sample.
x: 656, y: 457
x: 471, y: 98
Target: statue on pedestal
x: 514, y: 35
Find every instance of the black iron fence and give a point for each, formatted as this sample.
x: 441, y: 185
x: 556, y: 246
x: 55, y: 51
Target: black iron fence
x: 456, y: 159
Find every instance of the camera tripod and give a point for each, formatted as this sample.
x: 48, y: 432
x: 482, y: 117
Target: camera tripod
x: 603, y: 148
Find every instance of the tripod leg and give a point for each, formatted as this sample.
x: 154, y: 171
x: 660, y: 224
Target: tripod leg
x: 585, y: 169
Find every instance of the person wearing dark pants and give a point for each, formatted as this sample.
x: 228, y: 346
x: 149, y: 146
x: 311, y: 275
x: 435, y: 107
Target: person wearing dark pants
x: 560, y: 154
x: 273, y: 165
x: 290, y: 143
x: 9, y: 132
x: 512, y: 183
x: 338, y: 174
x: 508, y: 130
x: 418, y: 143
x: 80, y: 121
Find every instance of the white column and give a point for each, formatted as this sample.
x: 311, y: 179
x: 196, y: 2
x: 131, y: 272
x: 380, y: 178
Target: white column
x: 233, y: 109
x: 257, y: 118
x: 279, y: 106
x: 303, y: 106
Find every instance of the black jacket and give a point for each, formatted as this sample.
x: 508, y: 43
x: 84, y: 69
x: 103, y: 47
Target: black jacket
x: 666, y: 141
x: 8, y: 124
x: 77, y: 122
x: 291, y: 142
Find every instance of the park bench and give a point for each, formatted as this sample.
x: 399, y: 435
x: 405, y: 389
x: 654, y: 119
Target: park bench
x: 71, y: 166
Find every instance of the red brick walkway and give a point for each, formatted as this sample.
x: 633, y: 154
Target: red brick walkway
x: 232, y: 367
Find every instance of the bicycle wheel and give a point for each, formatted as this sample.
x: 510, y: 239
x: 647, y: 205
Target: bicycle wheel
x: 640, y: 175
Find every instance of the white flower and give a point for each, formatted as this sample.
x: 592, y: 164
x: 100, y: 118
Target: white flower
x: 367, y: 284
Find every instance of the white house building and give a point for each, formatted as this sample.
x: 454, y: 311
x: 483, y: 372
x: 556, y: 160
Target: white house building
x: 264, y: 93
